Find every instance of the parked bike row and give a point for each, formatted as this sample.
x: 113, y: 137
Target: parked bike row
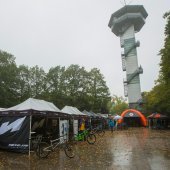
x: 44, y: 145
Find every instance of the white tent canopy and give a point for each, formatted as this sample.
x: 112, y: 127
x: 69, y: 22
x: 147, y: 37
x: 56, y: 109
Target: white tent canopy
x: 102, y: 115
x: 34, y: 104
x: 72, y: 111
x: 88, y: 113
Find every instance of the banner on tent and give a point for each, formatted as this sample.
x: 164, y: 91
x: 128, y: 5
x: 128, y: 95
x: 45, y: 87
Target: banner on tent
x: 64, y: 128
x: 14, y: 133
x: 75, y: 126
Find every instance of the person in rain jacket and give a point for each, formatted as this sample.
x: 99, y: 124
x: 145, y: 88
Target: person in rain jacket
x: 111, y: 124
x: 82, y: 126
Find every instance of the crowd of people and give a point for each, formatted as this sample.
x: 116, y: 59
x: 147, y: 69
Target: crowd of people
x: 111, y: 124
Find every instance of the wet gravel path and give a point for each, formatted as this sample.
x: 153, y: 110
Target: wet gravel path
x: 132, y: 149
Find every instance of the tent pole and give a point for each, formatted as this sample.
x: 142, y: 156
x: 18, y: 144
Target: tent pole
x: 59, y: 126
x: 90, y: 123
x: 73, y: 126
x: 30, y: 135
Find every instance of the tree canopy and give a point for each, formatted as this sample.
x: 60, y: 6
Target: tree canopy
x: 8, y: 79
x: 72, y: 86
x: 117, y: 105
x: 158, y: 99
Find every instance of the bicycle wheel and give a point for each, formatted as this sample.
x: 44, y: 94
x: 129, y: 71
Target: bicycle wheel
x: 69, y: 151
x: 91, y: 138
x: 42, y: 150
x: 75, y: 139
x: 101, y: 132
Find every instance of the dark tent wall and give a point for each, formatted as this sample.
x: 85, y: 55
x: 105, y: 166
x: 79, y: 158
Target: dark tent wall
x: 45, y: 125
x: 133, y: 118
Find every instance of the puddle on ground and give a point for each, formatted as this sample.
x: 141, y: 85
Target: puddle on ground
x: 135, y: 148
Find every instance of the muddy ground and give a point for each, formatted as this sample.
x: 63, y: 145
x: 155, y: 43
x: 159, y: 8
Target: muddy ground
x: 132, y: 149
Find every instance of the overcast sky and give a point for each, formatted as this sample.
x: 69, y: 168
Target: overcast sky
x: 48, y: 33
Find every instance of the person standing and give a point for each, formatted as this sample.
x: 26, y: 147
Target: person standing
x: 82, y: 126
x: 116, y: 124
x: 111, y: 125
x: 81, y: 130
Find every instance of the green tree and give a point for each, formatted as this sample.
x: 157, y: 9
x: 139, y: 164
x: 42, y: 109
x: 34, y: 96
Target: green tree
x: 76, y: 78
x: 55, y: 86
x: 158, y: 99
x: 165, y: 54
x: 73, y: 86
x: 37, y: 80
x: 24, y: 89
x: 98, y: 91
x: 164, y: 76
x: 8, y: 80
x: 117, y: 105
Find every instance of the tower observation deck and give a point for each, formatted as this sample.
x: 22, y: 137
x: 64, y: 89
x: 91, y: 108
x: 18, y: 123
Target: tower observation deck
x: 125, y: 23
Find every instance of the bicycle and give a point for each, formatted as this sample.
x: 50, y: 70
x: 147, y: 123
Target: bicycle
x: 45, y: 148
x: 98, y: 131
x: 35, y: 140
x: 85, y: 136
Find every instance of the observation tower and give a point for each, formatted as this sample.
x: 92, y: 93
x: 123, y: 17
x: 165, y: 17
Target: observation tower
x: 125, y: 23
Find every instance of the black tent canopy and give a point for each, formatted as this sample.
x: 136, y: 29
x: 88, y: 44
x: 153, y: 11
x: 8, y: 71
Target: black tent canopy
x: 16, y: 123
